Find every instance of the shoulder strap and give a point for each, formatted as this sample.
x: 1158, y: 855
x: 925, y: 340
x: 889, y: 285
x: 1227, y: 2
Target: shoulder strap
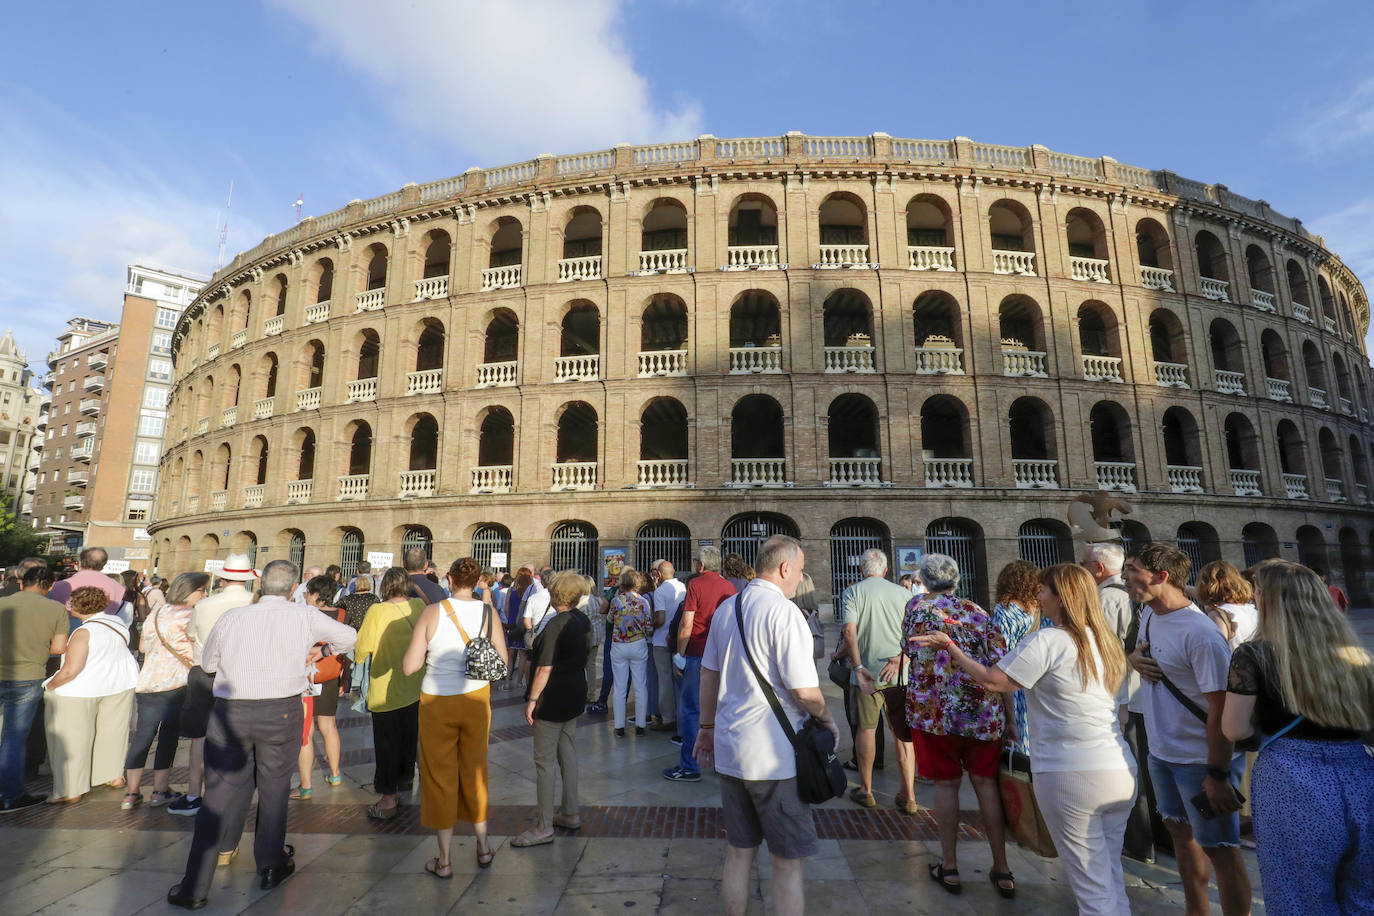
x: 165, y: 644
x: 448, y: 609
x: 1281, y: 732
x: 1170, y: 686
x: 763, y: 682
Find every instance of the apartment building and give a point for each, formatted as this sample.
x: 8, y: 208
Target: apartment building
x: 22, y: 412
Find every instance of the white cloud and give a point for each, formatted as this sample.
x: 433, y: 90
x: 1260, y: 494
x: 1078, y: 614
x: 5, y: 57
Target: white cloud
x: 1343, y: 122
x: 502, y: 81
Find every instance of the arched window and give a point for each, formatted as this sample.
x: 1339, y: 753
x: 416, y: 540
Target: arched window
x: 260, y: 461
x: 1044, y: 542
x: 424, y: 443
x: 929, y: 233
x: 507, y: 241
x: 757, y: 441
x: 350, y: 552
x: 574, y: 545
x: 1258, y: 542
x: 663, y: 442
x: 847, y: 322
x: 1292, y: 460
x: 1155, y: 255
x: 1199, y: 541
x: 324, y: 280
x: 961, y: 539
x: 852, y: 426
x: 582, y: 234
x: 1088, y: 252
x: 312, y: 375
x: 581, y: 330
x: 1312, y: 549
x: 429, y: 348
x: 437, y: 255
x: 755, y: 321
x: 663, y: 326
x: 744, y: 534
x: 268, y: 370
x: 1242, y: 455
x: 1031, y: 427
x: 496, y: 439
x: 305, y: 447
x: 1133, y: 534
x: 1168, y: 348
x: 1212, y: 264
x: 1332, y: 467
x: 1113, y: 448
x: 369, y: 355
x: 500, y: 349
x: 849, y: 540
x: 417, y: 536
x: 577, y: 433
x: 246, y: 542
x: 1261, y: 274
x: 1182, y: 451
x: 377, y: 261
x: 945, y: 442
x: 1316, y: 375
x: 224, y: 464
x: 753, y: 225
x: 488, y: 539
x: 1228, y: 357
x: 280, y: 298
x: 360, y: 449
x: 664, y: 229
x: 1297, y: 285
x: 843, y: 231
x: 1013, y: 238
x: 938, y: 335
x: 1328, y: 303
x: 1022, y: 336
x: 664, y: 539
x: 1277, y: 377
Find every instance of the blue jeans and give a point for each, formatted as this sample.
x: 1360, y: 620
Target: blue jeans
x: 689, y: 712
x: 607, y: 677
x: 159, y: 716
x: 1176, y: 784
x: 19, y: 701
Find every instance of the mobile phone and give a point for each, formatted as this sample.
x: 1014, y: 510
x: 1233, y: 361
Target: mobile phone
x: 1204, y: 805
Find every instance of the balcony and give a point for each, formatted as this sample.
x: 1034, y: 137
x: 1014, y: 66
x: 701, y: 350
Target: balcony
x: 746, y: 360
x: 1184, y: 478
x: 1171, y: 375
x: 431, y: 288
x: 298, y: 492
x: 425, y: 381
x: 1219, y: 290
x: 758, y: 472
x: 1302, y: 312
x: 753, y: 257
x: 1036, y: 473
x: 577, y: 368
x: 835, y: 256
x: 855, y: 472
x: 574, y: 475
x: 588, y: 268
x: 1157, y: 278
x: 371, y: 300
x: 93, y: 384
x: 50, y: 380
x: 849, y: 359
x: 1295, y: 486
x: 1277, y: 389
x: 202, y: 425
x: 212, y: 351
x: 501, y: 277
x: 418, y: 483
x: 314, y: 314
x: 83, y: 451
x: 1023, y: 364
x: 78, y: 478
x: 927, y: 257
x: 1013, y: 262
x: 308, y: 399
x: 98, y: 361
x: 90, y: 407
x: 219, y: 500
x: 949, y: 472
x: 239, y: 339
x: 75, y: 501
x: 252, y: 496
x: 1115, y: 475
x: 1329, y: 323
x: 1102, y: 368
x: 193, y: 504
x: 1091, y: 270
x: 495, y: 375
x: 363, y: 389
x: 1262, y: 300
x: 229, y: 416
x: 493, y: 478
x: 273, y: 326
x: 937, y: 360
x: 353, y: 486
x: 663, y: 473
x: 85, y: 429
x: 1231, y: 382
x: 1361, y: 494
x: 1317, y: 398
x: 1335, y: 490
x: 1347, y: 407
x: 263, y: 408
x: 662, y: 363
x: 665, y: 261
x: 1245, y: 482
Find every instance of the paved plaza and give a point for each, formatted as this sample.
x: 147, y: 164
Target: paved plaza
x: 647, y: 846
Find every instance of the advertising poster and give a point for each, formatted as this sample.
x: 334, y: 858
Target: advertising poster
x: 908, y: 560
x: 613, y: 561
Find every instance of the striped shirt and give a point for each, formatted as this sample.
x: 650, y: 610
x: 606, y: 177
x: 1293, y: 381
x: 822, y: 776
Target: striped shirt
x: 258, y: 652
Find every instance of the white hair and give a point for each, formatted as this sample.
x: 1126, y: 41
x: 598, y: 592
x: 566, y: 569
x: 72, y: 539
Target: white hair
x: 939, y: 572
x: 873, y: 563
x: 1110, y: 555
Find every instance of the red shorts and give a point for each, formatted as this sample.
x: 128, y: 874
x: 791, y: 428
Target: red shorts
x: 946, y: 757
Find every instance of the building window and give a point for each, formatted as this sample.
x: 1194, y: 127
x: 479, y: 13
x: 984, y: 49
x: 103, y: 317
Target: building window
x: 146, y: 453
x: 162, y: 343
x: 64, y: 429
x: 150, y: 423
x: 160, y: 369
x: 138, y: 512
x: 141, y: 481
x: 166, y: 318
x: 155, y: 397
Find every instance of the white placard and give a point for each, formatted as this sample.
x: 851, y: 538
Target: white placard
x: 379, y: 561
x: 498, y: 560
x: 115, y: 566
x: 214, y: 567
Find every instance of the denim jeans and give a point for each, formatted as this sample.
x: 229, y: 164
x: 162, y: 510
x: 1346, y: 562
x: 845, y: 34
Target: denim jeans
x: 159, y: 716
x: 19, y: 701
x: 689, y: 712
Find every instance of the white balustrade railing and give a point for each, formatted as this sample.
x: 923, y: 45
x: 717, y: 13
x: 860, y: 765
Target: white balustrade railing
x: 219, y: 500
x: 588, y: 268
x: 273, y: 326
x: 1278, y: 389
x: 1262, y: 300
x: 1157, y: 278
x: 1302, y: 312
x: 949, y: 472
x: 1347, y: 407
x: 263, y: 408
x: 316, y: 313
x: 855, y: 472
x: 1184, y: 478
x: 212, y: 351
x: 1362, y: 494
x: 1102, y: 368
x: 1036, y: 473
x: 664, y: 472
x: 501, y: 277
x: 758, y: 472
x: 843, y: 256
x: 308, y: 399
x: 418, y: 483
x: 753, y: 257
x: 662, y: 362
x: 363, y: 389
x: 570, y: 368
x: 239, y: 338
x: 1335, y: 490
x: 1317, y: 397
x: 203, y: 425
x: 425, y: 381
x: 494, y: 375
x: 1171, y: 375
x: 252, y: 496
x: 1024, y: 363
x: 1329, y: 323
x: 574, y: 475
x: 1245, y: 482
x: 849, y: 359
x: 1219, y: 290
x: 229, y: 416
x: 929, y: 257
x: 1115, y: 475
x: 1013, y: 262
x: 496, y: 478
x: 193, y: 504
x: 755, y: 359
x: 1094, y: 270
x: 669, y: 260
x: 1230, y: 382
x: 431, y: 288
x: 1295, y: 486
x: 353, y: 486
x: 939, y: 361
x: 369, y: 300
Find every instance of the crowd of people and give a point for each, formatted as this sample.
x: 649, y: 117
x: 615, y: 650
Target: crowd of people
x: 1144, y: 708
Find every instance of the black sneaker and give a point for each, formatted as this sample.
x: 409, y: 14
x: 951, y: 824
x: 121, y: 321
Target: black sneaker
x: 681, y: 774
x: 677, y: 739
x: 620, y: 733
x: 639, y: 731
x: 22, y: 803
x: 186, y: 806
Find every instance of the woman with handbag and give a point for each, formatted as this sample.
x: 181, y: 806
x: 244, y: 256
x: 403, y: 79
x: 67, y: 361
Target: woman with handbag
x: 461, y: 646
x: 322, y: 708
x: 1084, y: 772
x: 161, y: 690
x: 632, y: 623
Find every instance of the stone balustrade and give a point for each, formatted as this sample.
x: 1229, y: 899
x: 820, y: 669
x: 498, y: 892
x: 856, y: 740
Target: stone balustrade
x: 1184, y: 478
x: 949, y: 472
x: 849, y: 359
x: 745, y: 360
x: 1262, y: 300
x: 1013, y: 262
x: 496, y: 375
x: 588, y: 268
x: 419, y: 483
x: 577, y: 368
x: 1171, y: 375
x: 308, y: 399
x: 507, y: 277
x: 370, y: 300
x: 1230, y: 382
x: 662, y: 363
x: 263, y: 408
x: 1329, y: 323
x: 1093, y: 270
x: 574, y: 475
x: 212, y: 351
x: 1277, y: 389
x: 1036, y: 473
x: 1317, y: 398
x: 425, y: 381
x: 1295, y: 486
x: 363, y: 389
x: 1302, y: 312
x: 314, y: 314
x: 273, y: 326
x: 229, y: 416
x: 1212, y: 288
x: 1024, y: 364
x: 203, y: 425
x: 758, y: 472
x: 353, y: 486
x: 939, y: 360
x: 667, y: 260
x: 929, y: 257
x: 431, y: 288
x: 1347, y: 407
x: 1115, y: 475
x: 1362, y: 494
x: 753, y: 257
x: 663, y: 472
x: 843, y: 256
x: 219, y: 500
x: 1245, y: 482
x: 239, y: 338
x: 1335, y: 490
x: 1157, y: 278
x: 252, y: 496
x: 1102, y: 368
x: 497, y: 478
x: 855, y: 472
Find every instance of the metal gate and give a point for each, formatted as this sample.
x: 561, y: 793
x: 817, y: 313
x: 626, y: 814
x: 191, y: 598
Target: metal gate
x: 1254, y: 550
x: 489, y: 539
x: 663, y: 539
x: 1193, y: 548
x: 350, y: 553
x: 1039, y: 544
x: 848, y: 541
x: 417, y: 536
x: 296, y: 551
x: 744, y: 534
x: 251, y: 548
x: 574, y: 546
x: 955, y: 540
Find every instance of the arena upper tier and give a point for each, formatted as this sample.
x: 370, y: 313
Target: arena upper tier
x: 858, y: 340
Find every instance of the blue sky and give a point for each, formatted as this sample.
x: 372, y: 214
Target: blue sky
x: 125, y: 123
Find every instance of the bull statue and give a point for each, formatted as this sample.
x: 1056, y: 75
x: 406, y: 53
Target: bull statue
x: 1091, y: 516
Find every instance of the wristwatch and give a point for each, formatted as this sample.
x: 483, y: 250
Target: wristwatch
x: 1220, y: 774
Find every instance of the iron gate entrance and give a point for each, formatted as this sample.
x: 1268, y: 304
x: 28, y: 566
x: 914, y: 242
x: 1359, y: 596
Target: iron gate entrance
x: 417, y: 536
x: 350, y: 553
x: 489, y: 539
x: 848, y: 541
x: 1038, y: 544
x: 574, y: 545
x: 744, y: 534
x: 1254, y: 551
x: 1193, y: 548
x: 954, y: 539
x: 663, y: 539
x: 297, y: 551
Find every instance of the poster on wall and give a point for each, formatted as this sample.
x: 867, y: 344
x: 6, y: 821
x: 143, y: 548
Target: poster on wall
x: 613, y: 561
x: 909, y: 560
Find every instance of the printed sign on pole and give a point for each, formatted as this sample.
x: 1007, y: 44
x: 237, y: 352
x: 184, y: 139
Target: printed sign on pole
x: 214, y: 567
x: 116, y: 566
x: 498, y: 560
x: 379, y: 560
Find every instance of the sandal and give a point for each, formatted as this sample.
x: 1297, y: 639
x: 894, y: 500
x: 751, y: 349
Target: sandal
x: 334, y: 781
x: 938, y: 874
x: 996, y: 877
x: 301, y: 794
x: 131, y: 801
x: 225, y: 858
x: 530, y: 838
x: 433, y: 867
x: 378, y: 813
x: 484, y: 859
x: 567, y: 823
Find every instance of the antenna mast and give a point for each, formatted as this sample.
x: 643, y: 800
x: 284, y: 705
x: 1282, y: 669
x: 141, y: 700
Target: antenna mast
x: 224, y: 226
x: 300, y: 202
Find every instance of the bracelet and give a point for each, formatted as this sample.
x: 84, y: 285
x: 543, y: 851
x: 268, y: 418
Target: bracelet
x: 705, y: 727
x: 1221, y: 774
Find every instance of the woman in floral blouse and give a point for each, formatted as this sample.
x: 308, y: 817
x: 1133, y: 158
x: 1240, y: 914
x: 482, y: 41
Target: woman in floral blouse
x: 632, y: 623
x: 956, y: 725
x: 1017, y: 615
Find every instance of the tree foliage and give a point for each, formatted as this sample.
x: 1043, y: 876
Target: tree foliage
x: 17, y: 537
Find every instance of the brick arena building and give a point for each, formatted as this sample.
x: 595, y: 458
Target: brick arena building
x: 857, y: 340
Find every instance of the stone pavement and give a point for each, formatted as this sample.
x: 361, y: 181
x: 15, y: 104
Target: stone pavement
x: 648, y: 845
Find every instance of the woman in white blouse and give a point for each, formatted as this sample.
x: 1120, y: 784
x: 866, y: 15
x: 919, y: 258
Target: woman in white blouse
x: 1084, y: 772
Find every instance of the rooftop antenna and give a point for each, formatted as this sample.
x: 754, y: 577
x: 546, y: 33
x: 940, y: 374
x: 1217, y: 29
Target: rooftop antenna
x: 224, y: 226
x: 300, y: 202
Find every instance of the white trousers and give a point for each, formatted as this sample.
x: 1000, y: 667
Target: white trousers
x: 630, y: 662
x: 1086, y: 812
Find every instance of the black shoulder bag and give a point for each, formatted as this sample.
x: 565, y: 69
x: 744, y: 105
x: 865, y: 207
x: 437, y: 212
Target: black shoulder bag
x: 820, y: 777
x: 1245, y: 744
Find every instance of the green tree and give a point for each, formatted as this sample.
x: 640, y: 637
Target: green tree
x: 17, y: 538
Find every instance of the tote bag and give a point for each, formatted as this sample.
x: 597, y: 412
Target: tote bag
x: 1024, y: 821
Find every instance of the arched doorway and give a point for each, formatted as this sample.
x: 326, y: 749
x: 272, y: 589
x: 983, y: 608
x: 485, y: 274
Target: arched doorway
x: 744, y: 533
x: 849, y: 539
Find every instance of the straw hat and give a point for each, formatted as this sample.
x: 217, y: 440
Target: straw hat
x: 237, y: 567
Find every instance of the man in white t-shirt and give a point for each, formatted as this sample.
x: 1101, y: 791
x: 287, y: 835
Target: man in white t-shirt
x: 1190, y: 758
x: 537, y: 611
x: 754, y: 760
x: 667, y: 596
